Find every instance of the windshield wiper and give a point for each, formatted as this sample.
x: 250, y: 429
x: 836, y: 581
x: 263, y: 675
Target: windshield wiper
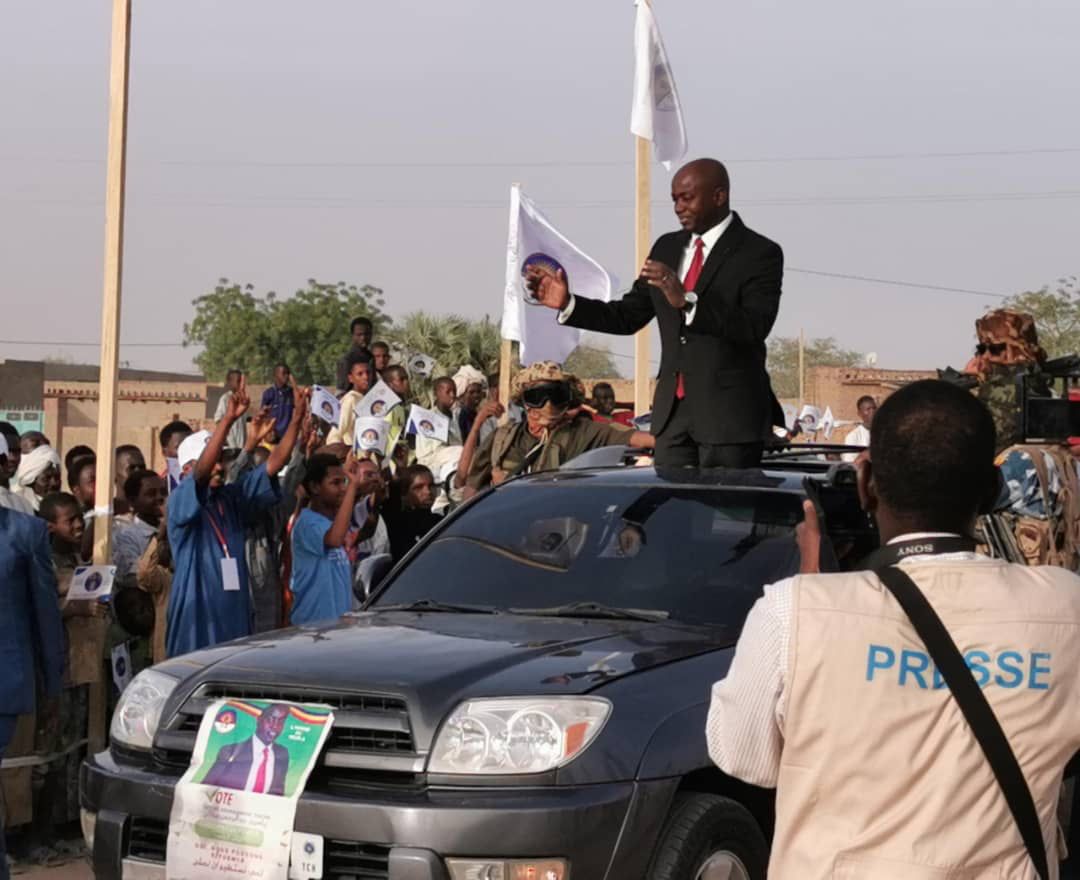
x: 433, y: 605
x: 594, y: 609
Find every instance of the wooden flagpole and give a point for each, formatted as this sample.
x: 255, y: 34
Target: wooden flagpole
x: 110, y: 325
x: 642, y: 242
x: 114, y: 260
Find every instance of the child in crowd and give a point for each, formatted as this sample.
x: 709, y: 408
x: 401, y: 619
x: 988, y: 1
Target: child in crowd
x: 85, y: 624
x: 380, y: 357
x: 144, y: 493
x: 210, y: 600
x: 82, y: 480
x: 170, y: 437
x: 321, y: 581
x: 409, y: 518
x: 128, y: 459
x: 397, y: 378
x: 428, y: 449
x: 360, y: 381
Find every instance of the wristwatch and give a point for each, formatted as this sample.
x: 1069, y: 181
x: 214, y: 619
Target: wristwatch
x: 691, y: 300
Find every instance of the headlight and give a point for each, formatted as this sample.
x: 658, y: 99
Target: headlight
x: 138, y: 713
x: 517, y: 734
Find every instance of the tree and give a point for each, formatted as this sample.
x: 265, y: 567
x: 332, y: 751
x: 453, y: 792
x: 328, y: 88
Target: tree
x: 1056, y: 313
x: 450, y: 340
x: 591, y: 362
x: 783, y: 361
x: 309, y: 331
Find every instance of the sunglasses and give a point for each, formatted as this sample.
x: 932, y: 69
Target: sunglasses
x: 556, y: 393
x: 992, y: 347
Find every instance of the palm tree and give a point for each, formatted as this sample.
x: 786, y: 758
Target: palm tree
x: 450, y: 340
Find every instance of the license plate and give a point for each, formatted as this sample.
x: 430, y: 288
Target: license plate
x: 306, y: 858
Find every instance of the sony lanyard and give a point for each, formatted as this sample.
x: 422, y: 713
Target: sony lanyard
x: 219, y: 529
x: 892, y: 554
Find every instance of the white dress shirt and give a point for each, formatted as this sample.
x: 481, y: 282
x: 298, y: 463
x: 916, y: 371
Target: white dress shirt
x: 747, y: 742
x: 709, y: 238
x: 257, y: 747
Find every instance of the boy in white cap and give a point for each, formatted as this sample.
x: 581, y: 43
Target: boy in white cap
x: 210, y: 601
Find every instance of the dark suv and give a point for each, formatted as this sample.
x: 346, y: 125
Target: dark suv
x: 524, y: 695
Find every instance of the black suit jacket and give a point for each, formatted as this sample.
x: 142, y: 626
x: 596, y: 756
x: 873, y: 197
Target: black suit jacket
x: 721, y: 355
x: 233, y: 766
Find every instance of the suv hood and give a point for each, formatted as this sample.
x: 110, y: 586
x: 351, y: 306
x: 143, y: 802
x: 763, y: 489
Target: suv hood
x: 435, y: 660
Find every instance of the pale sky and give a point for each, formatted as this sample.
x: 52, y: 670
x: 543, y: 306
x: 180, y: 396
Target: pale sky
x: 274, y: 141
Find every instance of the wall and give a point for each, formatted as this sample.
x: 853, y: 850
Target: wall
x: 841, y: 387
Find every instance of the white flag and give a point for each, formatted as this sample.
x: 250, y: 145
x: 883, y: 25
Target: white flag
x: 377, y: 402
x: 532, y: 239
x: 828, y: 422
x: 657, y: 113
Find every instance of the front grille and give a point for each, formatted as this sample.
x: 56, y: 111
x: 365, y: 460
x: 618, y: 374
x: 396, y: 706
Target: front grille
x: 342, y: 859
x: 371, y: 732
x: 147, y: 839
x: 346, y: 860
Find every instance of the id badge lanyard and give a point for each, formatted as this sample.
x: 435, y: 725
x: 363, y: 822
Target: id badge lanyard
x: 230, y: 572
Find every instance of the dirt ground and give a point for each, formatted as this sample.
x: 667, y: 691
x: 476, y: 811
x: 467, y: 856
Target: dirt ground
x: 77, y: 870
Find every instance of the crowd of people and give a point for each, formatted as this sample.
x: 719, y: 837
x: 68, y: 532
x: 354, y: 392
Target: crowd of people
x: 259, y: 522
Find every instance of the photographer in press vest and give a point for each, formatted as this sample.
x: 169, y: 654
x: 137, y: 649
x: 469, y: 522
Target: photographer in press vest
x: 915, y: 717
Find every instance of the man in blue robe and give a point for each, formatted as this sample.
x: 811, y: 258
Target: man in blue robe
x: 210, y: 600
x: 31, y: 630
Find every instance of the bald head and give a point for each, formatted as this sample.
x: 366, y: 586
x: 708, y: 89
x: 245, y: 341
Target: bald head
x: 699, y: 192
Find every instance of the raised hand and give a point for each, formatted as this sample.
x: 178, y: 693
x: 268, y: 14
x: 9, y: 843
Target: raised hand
x: 239, y: 402
x: 661, y: 275
x: 489, y: 409
x: 260, y: 426
x: 550, y: 289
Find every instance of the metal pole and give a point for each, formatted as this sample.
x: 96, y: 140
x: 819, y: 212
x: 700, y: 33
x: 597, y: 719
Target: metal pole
x: 642, y: 243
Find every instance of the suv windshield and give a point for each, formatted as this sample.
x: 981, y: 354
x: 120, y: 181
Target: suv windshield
x: 695, y: 554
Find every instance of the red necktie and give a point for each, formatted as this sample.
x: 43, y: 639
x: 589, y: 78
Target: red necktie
x: 260, y: 778
x: 691, y: 279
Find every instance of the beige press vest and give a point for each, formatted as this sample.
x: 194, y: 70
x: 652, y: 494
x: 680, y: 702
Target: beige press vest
x: 880, y: 776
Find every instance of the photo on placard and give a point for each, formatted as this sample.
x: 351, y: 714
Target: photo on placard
x: 262, y: 747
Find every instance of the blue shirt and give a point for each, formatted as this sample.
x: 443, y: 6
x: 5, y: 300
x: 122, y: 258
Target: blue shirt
x: 280, y: 401
x: 31, y: 630
x: 201, y: 611
x: 321, y: 575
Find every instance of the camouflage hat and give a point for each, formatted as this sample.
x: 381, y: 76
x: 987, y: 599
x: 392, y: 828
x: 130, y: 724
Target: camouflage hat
x: 545, y: 371
x: 1015, y: 330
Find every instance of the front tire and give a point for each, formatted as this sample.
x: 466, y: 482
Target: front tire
x: 709, y: 837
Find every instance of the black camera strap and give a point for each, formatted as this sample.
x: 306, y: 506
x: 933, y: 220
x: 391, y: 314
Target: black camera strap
x: 969, y: 697
x: 896, y: 552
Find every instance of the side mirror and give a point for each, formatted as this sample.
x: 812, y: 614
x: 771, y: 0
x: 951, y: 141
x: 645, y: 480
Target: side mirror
x: 370, y: 574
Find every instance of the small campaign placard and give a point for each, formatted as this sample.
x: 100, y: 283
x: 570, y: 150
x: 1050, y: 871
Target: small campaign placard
x: 325, y: 406
x: 428, y: 423
x: 91, y: 582
x: 377, y: 402
x: 371, y: 435
x: 421, y: 366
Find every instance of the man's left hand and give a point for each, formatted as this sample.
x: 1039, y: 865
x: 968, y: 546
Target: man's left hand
x: 662, y: 276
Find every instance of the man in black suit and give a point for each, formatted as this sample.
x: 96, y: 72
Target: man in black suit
x: 714, y: 289
x: 256, y: 764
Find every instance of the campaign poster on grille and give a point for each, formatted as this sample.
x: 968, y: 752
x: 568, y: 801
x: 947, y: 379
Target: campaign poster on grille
x: 233, y: 810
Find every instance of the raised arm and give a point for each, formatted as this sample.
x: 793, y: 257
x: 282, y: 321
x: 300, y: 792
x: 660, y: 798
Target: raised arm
x: 621, y: 317
x: 211, y: 454
x: 283, y: 451
x: 489, y: 409
x: 335, y: 535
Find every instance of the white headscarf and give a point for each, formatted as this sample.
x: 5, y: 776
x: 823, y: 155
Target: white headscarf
x: 31, y: 466
x: 467, y: 376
